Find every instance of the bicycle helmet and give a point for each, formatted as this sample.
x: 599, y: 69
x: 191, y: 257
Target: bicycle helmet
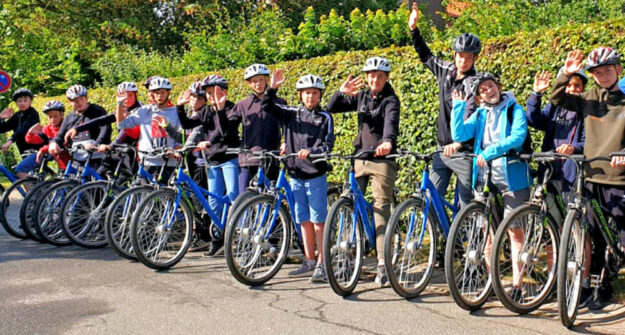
x: 602, y: 56
x: 196, y: 89
x: 157, y: 83
x: 579, y: 73
x: 127, y: 86
x: 53, y: 105
x: 467, y: 43
x: 377, y: 64
x: 310, y: 81
x: 479, y: 79
x: 146, y: 83
x: 215, y: 80
x: 76, y: 91
x: 255, y: 70
x: 21, y: 92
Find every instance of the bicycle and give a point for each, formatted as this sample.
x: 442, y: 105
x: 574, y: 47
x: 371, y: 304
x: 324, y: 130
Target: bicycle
x: 583, y: 213
x: 51, y: 199
x: 13, y: 198
x: 259, y: 233
x: 83, y: 211
x: 120, y: 211
x: 162, y: 225
x: 468, y: 248
x: 537, y: 249
x: 343, y: 243
x: 410, y: 240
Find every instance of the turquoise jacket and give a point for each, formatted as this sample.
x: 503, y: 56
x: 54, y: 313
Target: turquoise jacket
x: 512, y: 138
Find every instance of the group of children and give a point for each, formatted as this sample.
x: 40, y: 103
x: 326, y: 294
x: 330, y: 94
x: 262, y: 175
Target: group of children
x: 476, y: 115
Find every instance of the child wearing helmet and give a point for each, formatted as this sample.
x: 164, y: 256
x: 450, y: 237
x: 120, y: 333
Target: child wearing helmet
x: 603, y: 111
x: 36, y: 135
x: 564, y: 129
x: 261, y: 130
x: 498, y: 127
x: 152, y: 120
x: 215, y: 134
x: 83, y: 112
x: 308, y: 129
x: 19, y: 123
x: 450, y: 77
x: 378, y: 127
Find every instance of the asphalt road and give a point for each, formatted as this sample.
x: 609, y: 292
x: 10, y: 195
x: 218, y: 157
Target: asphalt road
x: 50, y: 290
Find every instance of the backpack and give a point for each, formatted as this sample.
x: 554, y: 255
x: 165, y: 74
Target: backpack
x: 527, y: 144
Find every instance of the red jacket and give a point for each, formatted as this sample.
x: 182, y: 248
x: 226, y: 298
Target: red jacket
x: 48, y: 132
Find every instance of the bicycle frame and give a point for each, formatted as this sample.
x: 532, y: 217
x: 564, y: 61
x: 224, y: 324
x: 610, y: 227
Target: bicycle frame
x: 10, y: 176
x: 439, y: 203
x: 361, y: 209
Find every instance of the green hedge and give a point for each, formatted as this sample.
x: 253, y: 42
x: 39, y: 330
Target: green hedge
x: 514, y: 58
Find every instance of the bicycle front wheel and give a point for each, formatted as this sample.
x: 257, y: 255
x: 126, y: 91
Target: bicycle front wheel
x: 11, y: 203
x: 161, y: 229
x: 467, y: 255
x: 524, y: 258
x: 83, y: 213
x: 257, y: 240
x: 410, y: 247
x: 119, y: 216
x: 343, y: 247
x: 570, y: 267
x: 47, y: 212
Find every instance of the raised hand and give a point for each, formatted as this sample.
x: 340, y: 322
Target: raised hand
x: 352, y: 85
x: 121, y: 97
x: 414, y: 16
x: 277, y: 79
x: 542, y: 81
x: 184, y: 97
x: 573, y: 62
x: 35, y: 129
x: 458, y: 95
x: 6, y: 113
x: 219, y: 98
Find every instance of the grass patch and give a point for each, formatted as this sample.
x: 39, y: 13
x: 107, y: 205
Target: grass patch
x: 619, y: 287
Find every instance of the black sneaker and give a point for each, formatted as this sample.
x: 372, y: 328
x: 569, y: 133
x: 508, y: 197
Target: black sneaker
x: 596, y: 301
x: 584, y: 296
x: 213, y: 247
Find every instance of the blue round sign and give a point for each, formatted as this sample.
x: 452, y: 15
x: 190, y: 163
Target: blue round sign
x: 5, y: 81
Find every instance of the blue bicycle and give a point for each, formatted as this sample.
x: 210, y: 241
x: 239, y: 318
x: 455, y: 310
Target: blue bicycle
x: 258, y: 236
x: 162, y: 226
x: 343, y: 242
x: 121, y: 210
x: 411, y: 237
x: 48, y: 209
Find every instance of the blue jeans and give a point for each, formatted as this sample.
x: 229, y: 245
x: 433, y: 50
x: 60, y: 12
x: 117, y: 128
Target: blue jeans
x: 29, y: 163
x: 221, y: 178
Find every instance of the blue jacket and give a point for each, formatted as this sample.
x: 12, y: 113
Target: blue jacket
x: 561, y: 126
x: 513, y: 136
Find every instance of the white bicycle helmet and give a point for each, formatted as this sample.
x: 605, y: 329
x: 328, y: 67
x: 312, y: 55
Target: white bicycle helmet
x: 76, y: 91
x: 255, y: 70
x: 309, y: 81
x: 53, y: 105
x: 602, y: 56
x: 158, y: 83
x: 127, y: 86
x: 377, y: 64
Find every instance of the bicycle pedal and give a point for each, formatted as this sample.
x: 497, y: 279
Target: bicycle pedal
x: 595, y: 281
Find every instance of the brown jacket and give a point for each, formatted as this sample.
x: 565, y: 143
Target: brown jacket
x: 604, y: 121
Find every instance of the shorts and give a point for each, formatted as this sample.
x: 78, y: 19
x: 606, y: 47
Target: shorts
x: 311, y: 199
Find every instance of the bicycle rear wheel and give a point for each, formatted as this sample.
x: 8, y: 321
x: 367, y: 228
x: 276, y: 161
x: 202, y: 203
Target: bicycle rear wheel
x: 47, y: 212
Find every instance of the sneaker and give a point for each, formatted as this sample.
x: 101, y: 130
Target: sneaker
x: 319, y: 275
x: 584, y: 297
x: 596, y: 301
x: 381, y: 279
x: 213, y: 247
x: 304, y: 271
